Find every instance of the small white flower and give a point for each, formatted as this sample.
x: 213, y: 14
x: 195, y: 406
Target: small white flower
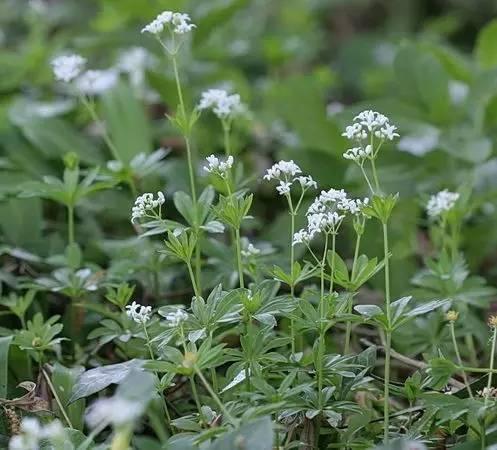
x: 358, y: 154
x: 222, y: 104
x: 116, y: 411
x: 140, y: 314
x: 177, y: 317
x: 67, y: 67
x: 369, y: 123
x: 284, y: 187
x: 307, y: 182
x: 286, y: 168
x: 217, y: 166
x: 96, y: 82
x: 250, y: 250
x: 334, y: 108
x: 301, y: 237
x: 441, y: 202
x: 145, y: 203
x: 178, y: 23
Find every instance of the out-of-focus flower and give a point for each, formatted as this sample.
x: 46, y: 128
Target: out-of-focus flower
x: 441, y: 202
x: 67, y: 67
x: 96, y: 82
x: 222, y: 104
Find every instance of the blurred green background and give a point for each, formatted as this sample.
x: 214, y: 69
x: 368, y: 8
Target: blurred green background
x: 304, y: 67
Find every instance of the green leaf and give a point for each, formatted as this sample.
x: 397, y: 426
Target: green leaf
x: 486, y: 46
x: 368, y: 310
x: 94, y: 380
x: 257, y: 434
x: 184, y: 204
x: 128, y: 125
x: 4, y: 364
x: 64, y: 379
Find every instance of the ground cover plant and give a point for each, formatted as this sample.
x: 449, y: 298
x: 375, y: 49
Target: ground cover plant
x: 212, y: 240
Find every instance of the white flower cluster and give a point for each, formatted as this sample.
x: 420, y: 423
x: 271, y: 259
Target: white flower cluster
x: 114, y: 410
x: 286, y: 172
x: 326, y: 213
x: 96, y: 82
x: 176, y: 317
x: 144, y: 203
x: 70, y: 68
x: 139, y: 313
x: 178, y: 23
x: 358, y: 154
x: 250, y: 250
x: 369, y: 123
x: 217, y: 166
x: 441, y: 202
x: 67, y: 67
x: 222, y: 104
x: 32, y: 432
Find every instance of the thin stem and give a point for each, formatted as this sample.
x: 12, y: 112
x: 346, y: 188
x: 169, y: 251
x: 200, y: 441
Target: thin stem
x: 195, y: 396
x: 292, y: 285
x: 215, y: 397
x: 472, y: 349
x: 226, y: 136
x: 70, y: 224
x: 459, y: 360
x: 332, y: 266
x: 239, y: 257
x: 366, y: 178
x: 348, y: 331
x: 57, y: 399
x: 152, y: 357
x: 492, y: 357
x: 375, y: 175
x: 321, y: 342
x: 192, y: 278
x: 388, y: 335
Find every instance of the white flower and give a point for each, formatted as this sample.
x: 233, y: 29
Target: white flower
x: 222, y: 104
x: 441, y: 202
x: 307, y: 182
x: 284, y: 187
x: 358, y: 154
x: 334, y: 108
x: 139, y: 313
x: 67, y: 67
x: 32, y: 432
x: 301, y: 237
x: 115, y: 410
x: 286, y: 168
x: 95, y: 82
x: 145, y: 203
x: 419, y: 143
x: 217, y: 166
x: 178, y: 23
x: 250, y: 250
x: 369, y: 123
x: 177, y: 317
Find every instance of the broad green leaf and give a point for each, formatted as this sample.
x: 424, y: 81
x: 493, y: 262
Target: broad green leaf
x: 368, y: 310
x: 94, y: 380
x: 64, y: 379
x: 128, y: 125
x: 486, y: 46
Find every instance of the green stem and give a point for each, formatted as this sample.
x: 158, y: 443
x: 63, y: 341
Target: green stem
x: 348, y: 330
x: 292, y: 285
x: 366, y: 178
x: 70, y: 224
x: 239, y: 257
x: 459, y: 360
x: 492, y: 357
x: 472, y: 349
x: 375, y: 176
x: 57, y: 399
x: 192, y: 278
x: 195, y: 396
x: 321, y: 342
x: 332, y: 267
x: 226, y: 136
x: 386, y: 409
x: 214, y: 396
x: 152, y: 357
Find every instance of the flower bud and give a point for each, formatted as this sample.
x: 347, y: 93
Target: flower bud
x: 452, y: 316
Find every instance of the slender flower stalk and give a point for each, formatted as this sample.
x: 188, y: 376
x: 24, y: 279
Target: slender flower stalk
x: 57, y: 399
x: 452, y: 317
x: 348, y: 330
x: 493, y: 324
x: 70, y: 224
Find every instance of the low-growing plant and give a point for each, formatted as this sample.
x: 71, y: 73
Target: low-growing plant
x: 193, y: 335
